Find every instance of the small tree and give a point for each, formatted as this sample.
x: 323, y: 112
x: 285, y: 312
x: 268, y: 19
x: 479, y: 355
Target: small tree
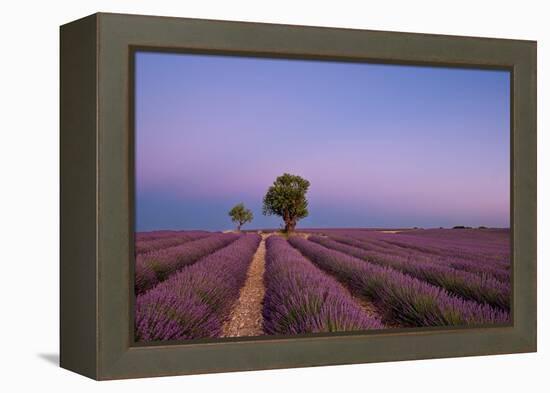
x: 240, y: 215
x: 287, y: 198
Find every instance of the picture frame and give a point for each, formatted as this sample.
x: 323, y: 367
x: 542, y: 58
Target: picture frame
x: 97, y: 201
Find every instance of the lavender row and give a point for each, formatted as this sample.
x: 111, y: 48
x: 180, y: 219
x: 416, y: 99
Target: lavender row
x: 147, y: 246
x: 467, y: 285
x: 452, y: 245
x: 471, y: 266
x: 300, y: 298
x: 406, y: 300
x: 474, y: 242
x: 468, y: 236
x: 455, y: 259
x: 153, y: 235
x: 195, y: 302
x: 156, y: 266
x: 483, y: 253
x: 464, y: 243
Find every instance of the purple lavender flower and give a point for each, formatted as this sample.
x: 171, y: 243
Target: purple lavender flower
x: 156, y: 266
x: 405, y: 299
x: 195, y: 302
x: 484, y: 289
x: 148, y: 245
x: 300, y: 298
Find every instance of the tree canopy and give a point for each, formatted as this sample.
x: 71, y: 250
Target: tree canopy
x: 287, y: 198
x: 240, y: 215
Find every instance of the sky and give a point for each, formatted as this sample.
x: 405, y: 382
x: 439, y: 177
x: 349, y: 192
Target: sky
x: 382, y: 145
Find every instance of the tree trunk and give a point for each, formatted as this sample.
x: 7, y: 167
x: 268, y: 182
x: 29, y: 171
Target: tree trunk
x: 239, y: 227
x: 290, y: 225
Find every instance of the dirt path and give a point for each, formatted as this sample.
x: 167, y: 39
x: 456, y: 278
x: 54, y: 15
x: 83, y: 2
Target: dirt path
x: 246, y: 318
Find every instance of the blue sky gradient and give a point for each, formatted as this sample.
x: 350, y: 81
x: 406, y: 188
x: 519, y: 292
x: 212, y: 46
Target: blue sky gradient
x: 382, y: 145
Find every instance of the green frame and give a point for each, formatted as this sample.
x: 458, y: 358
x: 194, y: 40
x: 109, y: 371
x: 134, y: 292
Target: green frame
x: 97, y: 194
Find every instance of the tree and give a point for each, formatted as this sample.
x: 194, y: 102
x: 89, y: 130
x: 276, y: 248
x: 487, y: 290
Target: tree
x: 287, y: 198
x: 241, y: 215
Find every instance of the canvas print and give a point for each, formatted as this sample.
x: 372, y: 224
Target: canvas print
x: 287, y: 197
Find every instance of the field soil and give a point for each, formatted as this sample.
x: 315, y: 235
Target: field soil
x: 246, y: 318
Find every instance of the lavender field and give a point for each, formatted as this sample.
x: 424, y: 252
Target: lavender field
x: 199, y: 284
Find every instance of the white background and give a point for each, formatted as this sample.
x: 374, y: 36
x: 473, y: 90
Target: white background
x: 29, y: 194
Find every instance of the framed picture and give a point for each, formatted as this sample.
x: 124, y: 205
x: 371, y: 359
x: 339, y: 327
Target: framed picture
x: 242, y: 196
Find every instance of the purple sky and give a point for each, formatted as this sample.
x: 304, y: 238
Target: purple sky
x: 382, y: 145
